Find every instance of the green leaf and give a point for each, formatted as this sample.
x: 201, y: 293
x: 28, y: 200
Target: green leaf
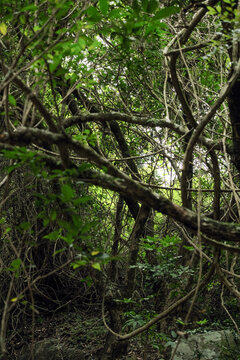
x: 95, y: 44
x: 144, y: 5
x: 22, y: 19
x: 53, y: 64
x: 30, y: 7
x: 64, y: 224
x: 2, y: 220
x: 87, y: 227
x: 46, y: 221
x: 167, y: 11
x: 79, y: 263
x: 116, y: 14
x: 67, y: 193
x: 93, y: 14
x: 81, y: 43
x: 96, y: 266
x: 138, y: 24
x: 136, y: 7
x: 190, y: 248
x: 63, y: 30
x: 211, y: 10
x: 127, y: 300
x: 15, y: 265
x: 68, y: 239
x: 63, y: 8
x: 54, y: 235
x: 77, y: 221
x: 104, y: 6
x: 180, y: 321
x: 88, y: 280
x: 53, y: 215
x: 202, y: 322
x: 7, y: 230
x: 152, y: 6
x: 13, y: 167
x: 59, y: 251
x: 82, y: 200
x: 12, y: 100
x: 24, y: 225
x: 154, y: 25
x: 100, y: 256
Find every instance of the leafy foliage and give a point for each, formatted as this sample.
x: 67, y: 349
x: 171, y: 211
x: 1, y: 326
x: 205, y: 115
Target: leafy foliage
x: 119, y: 148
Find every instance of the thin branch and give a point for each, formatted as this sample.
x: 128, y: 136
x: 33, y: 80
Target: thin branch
x: 197, y: 132
x: 162, y: 315
x: 44, y: 112
x: 191, y: 48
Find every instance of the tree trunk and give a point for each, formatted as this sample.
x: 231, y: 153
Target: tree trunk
x: 113, y: 347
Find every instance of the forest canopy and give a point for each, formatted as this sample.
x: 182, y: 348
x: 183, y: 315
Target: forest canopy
x: 120, y: 157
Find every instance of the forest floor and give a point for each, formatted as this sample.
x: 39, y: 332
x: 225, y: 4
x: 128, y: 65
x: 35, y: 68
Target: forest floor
x: 80, y: 329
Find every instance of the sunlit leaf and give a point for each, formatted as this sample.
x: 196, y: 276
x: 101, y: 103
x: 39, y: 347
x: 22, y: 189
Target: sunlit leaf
x: 116, y: 13
x: 14, y: 299
x: 3, y: 28
x: 104, y: 6
x: 96, y: 266
x: 93, y: 253
x: 53, y: 64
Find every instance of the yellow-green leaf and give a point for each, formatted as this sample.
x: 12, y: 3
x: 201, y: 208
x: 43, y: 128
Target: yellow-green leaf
x: 94, y: 253
x: 96, y: 266
x: 3, y: 28
x: 14, y: 299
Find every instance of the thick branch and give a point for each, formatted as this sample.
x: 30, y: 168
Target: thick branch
x: 143, y: 121
x: 118, y: 181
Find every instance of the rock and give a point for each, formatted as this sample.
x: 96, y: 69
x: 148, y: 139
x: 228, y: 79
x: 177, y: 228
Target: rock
x: 51, y: 349
x: 212, y: 345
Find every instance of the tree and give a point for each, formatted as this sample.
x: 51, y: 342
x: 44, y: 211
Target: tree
x: 135, y: 105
